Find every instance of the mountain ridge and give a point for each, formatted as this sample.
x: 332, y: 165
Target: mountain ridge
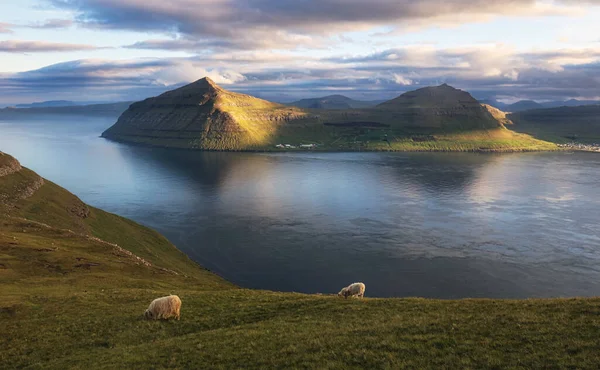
x: 203, y: 115
x: 335, y: 101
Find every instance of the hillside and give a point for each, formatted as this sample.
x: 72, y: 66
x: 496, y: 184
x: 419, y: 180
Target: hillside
x: 75, y: 281
x: 333, y: 102
x: 204, y: 116
x: 563, y: 124
x: 498, y: 115
x: 49, y: 103
x: 523, y: 105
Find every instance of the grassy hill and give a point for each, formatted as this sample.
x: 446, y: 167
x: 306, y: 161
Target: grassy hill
x: 75, y: 281
x: 204, y: 116
x: 560, y: 125
x: 333, y: 102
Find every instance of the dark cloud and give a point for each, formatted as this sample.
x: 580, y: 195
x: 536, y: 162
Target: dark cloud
x: 19, y: 46
x: 486, y: 72
x: 272, y: 24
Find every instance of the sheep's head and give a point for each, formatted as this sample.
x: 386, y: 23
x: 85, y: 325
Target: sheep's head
x: 343, y: 293
x: 148, y: 315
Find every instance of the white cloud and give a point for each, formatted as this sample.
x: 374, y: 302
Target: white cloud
x: 401, y: 80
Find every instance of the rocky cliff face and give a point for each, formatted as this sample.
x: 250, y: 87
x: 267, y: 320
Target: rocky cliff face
x: 8, y: 165
x: 201, y: 115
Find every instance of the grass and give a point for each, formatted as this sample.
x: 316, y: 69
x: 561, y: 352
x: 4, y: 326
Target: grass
x: 560, y: 125
x: 70, y: 300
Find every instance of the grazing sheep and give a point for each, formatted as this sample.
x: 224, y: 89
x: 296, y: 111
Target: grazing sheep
x: 353, y: 290
x: 164, y: 308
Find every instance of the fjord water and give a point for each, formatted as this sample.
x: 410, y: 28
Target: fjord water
x: 444, y: 225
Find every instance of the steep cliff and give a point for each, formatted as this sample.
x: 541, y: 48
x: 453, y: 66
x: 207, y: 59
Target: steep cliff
x: 202, y: 115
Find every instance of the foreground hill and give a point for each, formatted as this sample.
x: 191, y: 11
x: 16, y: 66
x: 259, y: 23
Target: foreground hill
x: 333, y: 102
x: 564, y: 124
x: 75, y: 281
x: 204, y: 116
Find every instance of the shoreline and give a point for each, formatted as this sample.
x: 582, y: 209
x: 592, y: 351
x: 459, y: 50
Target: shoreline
x: 329, y: 150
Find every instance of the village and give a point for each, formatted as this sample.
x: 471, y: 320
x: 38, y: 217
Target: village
x: 301, y: 146
x: 594, y: 147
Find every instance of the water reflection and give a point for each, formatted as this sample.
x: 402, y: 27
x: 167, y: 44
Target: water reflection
x: 436, y: 225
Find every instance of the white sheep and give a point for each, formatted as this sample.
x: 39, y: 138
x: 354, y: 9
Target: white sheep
x: 353, y: 290
x: 164, y: 308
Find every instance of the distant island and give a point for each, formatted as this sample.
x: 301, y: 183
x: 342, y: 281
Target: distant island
x: 523, y: 105
x: 204, y: 116
x: 63, y: 108
x: 334, y: 102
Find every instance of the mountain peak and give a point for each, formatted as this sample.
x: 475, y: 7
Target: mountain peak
x: 203, y: 83
x: 442, y: 96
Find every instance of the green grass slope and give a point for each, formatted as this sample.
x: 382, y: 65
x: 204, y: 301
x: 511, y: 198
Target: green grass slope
x: 332, y: 102
x: 72, y: 299
x: 560, y: 125
x: 204, y: 116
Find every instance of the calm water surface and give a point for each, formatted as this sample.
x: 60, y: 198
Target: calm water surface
x: 429, y: 225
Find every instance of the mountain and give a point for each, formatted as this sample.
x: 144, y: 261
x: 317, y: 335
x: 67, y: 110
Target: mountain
x: 204, y: 116
x: 523, y: 105
x: 499, y: 115
x: 109, y: 109
x: 570, y: 103
x: 50, y: 103
x: 439, y: 106
x: 560, y: 124
x: 494, y: 103
x: 333, y: 102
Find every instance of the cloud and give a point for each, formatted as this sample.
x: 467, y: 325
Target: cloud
x: 401, y: 80
x: 5, y: 28
x: 269, y: 24
x: 19, y: 46
x: 51, y: 24
x: 487, y: 71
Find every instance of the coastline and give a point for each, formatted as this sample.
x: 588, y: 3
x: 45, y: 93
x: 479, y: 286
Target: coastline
x: 343, y: 150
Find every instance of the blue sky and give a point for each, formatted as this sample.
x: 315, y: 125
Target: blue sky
x: 107, y: 50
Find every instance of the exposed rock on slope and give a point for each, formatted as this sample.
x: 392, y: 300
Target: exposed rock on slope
x: 202, y: 115
x: 499, y: 115
x: 8, y: 165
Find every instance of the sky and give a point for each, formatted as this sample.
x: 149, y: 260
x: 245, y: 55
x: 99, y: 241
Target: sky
x: 283, y: 50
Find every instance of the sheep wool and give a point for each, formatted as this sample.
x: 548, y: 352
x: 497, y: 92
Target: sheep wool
x: 164, y: 308
x: 353, y: 290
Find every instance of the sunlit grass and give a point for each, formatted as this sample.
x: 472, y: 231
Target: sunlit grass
x: 71, y: 301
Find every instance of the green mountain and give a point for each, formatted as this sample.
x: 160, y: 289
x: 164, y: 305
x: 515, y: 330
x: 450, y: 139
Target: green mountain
x: 562, y: 124
x: 75, y: 281
x: 204, y: 116
x: 333, y: 102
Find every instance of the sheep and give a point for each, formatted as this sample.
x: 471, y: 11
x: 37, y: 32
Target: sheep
x: 352, y: 290
x: 164, y: 308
